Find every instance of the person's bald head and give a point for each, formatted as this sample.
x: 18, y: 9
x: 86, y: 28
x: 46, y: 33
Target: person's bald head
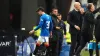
x: 77, y: 5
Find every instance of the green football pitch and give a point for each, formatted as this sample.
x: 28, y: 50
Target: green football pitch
x: 85, y: 53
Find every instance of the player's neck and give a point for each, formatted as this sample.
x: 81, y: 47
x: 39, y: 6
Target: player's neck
x: 43, y: 13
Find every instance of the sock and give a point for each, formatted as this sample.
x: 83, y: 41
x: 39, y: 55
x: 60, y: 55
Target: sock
x: 36, y: 49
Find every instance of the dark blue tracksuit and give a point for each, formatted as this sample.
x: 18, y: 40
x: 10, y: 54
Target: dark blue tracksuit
x: 62, y: 26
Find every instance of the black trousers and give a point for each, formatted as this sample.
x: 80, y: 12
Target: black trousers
x: 75, y: 42
x: 97, y: 49
x: 82, y: 45
x: 84, y: 39
x: 53, y: 48
x: 56, y: 44
x: 60, y: 42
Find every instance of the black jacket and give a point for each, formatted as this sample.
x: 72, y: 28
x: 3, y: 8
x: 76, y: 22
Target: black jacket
x: 74, y: 18
x: 88, y: 23
x: 54, y: 31
x: 97, y: 28
x: 62, y: 26
x: 54, y: 20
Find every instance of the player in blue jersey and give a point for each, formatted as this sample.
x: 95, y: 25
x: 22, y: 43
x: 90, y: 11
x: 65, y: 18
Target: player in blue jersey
x: 46, y: 29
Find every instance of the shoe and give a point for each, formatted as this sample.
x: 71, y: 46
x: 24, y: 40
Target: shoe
x: 77, y: 55
x: 33, y: 55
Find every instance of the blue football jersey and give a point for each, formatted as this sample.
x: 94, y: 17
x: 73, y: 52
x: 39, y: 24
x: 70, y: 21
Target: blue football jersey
x: 45, y: 24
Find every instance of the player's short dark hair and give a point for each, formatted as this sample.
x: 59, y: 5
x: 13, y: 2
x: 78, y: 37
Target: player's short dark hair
x: 40, y: 9
x: 89, y: 6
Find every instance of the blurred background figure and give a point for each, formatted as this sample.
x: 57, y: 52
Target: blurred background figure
x: 97, y: 35
x: 87, y: 28
x: 61, y: 32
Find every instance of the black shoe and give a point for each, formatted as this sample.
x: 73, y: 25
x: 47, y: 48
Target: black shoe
x: 77, y: 55
x: 31, y: 54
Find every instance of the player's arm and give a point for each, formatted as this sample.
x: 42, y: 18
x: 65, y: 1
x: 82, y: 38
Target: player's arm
x: 51, y: 25
x: 39, y: 26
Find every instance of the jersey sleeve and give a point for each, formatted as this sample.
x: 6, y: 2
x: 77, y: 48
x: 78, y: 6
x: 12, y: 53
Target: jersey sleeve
x: 40, y: 23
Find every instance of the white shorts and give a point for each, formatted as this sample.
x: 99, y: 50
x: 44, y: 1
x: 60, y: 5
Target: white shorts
x: 43, y: 39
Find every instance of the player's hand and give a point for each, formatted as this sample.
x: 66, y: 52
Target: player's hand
x: 50, y: 34
x: 77, y: 27
x: 32, y: 31
x: 57, y: 27
x: 65, y: 36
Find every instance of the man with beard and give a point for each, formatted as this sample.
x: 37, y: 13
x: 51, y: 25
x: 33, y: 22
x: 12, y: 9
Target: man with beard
x: 54, y: 40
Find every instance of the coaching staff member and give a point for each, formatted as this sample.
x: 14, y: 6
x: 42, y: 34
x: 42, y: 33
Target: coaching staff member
x: 61, y: 32
x: 54, y: 39
x: 74, y: 19
x: 97, y: 34
x: 87, y: 28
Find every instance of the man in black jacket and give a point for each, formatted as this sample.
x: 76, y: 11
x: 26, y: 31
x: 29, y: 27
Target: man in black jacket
x: 87, y: 28
x: 74, y: 19
x: 97, y: 34
x: 54, y: 39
